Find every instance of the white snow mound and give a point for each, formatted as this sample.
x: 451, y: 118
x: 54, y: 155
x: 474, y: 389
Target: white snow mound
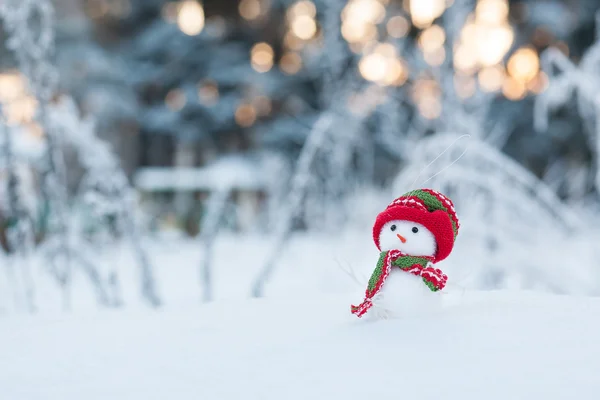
x: 481, y: 346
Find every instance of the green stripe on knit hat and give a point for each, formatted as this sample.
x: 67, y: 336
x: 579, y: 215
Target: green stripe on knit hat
x: 433, y: 203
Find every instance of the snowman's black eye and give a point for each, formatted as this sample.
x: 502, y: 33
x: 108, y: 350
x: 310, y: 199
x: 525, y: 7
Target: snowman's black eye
x: 393, y: 227
x: 415, y: 229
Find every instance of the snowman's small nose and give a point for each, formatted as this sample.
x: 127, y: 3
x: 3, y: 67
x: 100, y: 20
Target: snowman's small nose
x: 402, y: 238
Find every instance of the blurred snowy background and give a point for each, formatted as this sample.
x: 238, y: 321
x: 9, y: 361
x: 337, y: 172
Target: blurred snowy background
x: 171, y: 152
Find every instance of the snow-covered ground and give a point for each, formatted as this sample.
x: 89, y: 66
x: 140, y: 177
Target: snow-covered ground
x: 299, y: 342
x: 494, y: 345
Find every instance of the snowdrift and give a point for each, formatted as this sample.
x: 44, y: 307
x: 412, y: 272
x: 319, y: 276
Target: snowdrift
x: 493, y: 345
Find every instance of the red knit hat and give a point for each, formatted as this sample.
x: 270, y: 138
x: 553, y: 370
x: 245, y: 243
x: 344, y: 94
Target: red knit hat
x: 428, y: 208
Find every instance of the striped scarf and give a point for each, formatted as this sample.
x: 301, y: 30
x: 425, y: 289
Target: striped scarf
x: 419, y: 266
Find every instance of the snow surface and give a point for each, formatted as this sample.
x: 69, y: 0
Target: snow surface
x: 493, y: 345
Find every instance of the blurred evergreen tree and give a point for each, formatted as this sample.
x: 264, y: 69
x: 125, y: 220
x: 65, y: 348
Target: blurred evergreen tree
x: 239, y: 81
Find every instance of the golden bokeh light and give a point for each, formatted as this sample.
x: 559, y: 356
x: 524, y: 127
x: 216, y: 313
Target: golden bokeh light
x: 538, y: 84
x: 373, y: 67
x: 492, y: 12
x: 430, y: 108
x: 263, y: 105
x: 432, y: 38
x: 365, y: 11
x: 96, y: 8
x: 435, y: 58
x: 396, y: 73
x: 292, y: 41
x: 250, y: 9
x: 169, y: 12
x: 398, y: 27
x: 208, y: 92
x: 492, y: 43
x: 427, y: 95
x: 464, y: 85
x: 358, y: 32
x: 513, y: 89
x: 190, y: 17
x: 424, y: 12
x: 386, y: 49
x: 18, y: 106
x: 21, y: 110
x: 465, y: 59
x: 12, y: 86
x: 245, y: 115
x: 301, y: 8
x: 290, y: 63
x: 304, y: 26
x: 175, y: 100
x: 261, y: 57
x: 35, y: 130
x: 524, y: 64
x: 381, y: 65
x: 491, y: 78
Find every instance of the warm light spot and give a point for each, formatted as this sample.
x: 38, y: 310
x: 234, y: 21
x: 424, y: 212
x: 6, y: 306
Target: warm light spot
x: 175, y: 100
x: 373, y: 67
x: 464, y: 85
x: 406, y: 5
x: 513, y: 89
x: 190, y: 18
x: 208, y: 92
x: 302, y: 8
x: 435, y: 58
x: 424, y: 88
x: 12, y: 86
x: 524, y: 64
x: 357, y: 48
x: 358, y: 32
x: 542, y: 36
x: 365, y: 11
x: 35, y: 130
x: 386, y: 49
x: 398, y: 27
x: 249, y: 9
x: 538, y: 84
x: 18, y: 106
x: 290, y: 63
x: 432, y: 38
x: 245, y: 115
x: 96, y: 8
x: 169, y: 12
x: 263, y: 105
x: 427, y: 96
x: 21, y: 110
x: 261, y: 57
x: 396, y: 73
x: 430, y: 108
x: 491, y: 78
x: 468, y: 32
x: 492, y: 12
x: 465, y: 59
x: 304, y: 26
x: 492, y: 43
x: 292, y: 41
x: 424, y: 12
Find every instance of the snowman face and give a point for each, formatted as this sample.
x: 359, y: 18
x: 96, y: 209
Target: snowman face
x: 409, y: 237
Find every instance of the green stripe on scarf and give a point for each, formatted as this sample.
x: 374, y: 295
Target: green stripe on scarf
x: 404, y: 262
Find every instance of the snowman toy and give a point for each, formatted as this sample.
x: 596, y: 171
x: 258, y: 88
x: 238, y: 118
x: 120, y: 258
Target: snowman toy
x: 413, y: 233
